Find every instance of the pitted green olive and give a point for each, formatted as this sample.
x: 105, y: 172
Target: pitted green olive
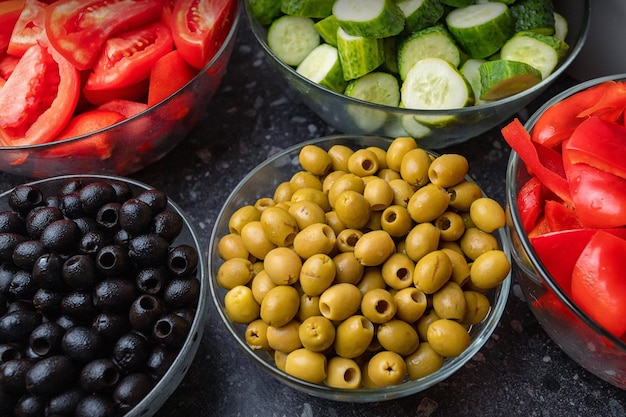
x: 373, y: 248
x: 345, y: 182
x: 256, y: 335
x: 306, y: 213
x: 280, y: 305
x: 448, y: 337
x: 353, y: 336
x: 363, y: 162
x: 478, y: 307
x: 283, y: 192
x: 279, y: 226
x: 261, y: 284
x: 411, y: 304
x: 386, y: 368
x: 340, y: 301
x: 424, y: 361
x: 352, y: 209
x: 254, y: 239
x: 398, y: 270
x: 428, y: 203
x: 347, y: 238
x: 343, y: 373
x: 432, y: 272
x: 283, y: 265
x: 414, y: 167
x: 396, y: 220
x: 378, y: 305
x: 397, y: 149
x: 348, y: 268
x: 317, y: 333
x: 314, y: 239
x: 422, y: 239
x: 235, y: 271
x: 448, y: 170
x: 306, y: 365
x: 231, y: 246
x: 378, y: 193
x: 240, y: 304
x: 241, y: 216
x: 304, y: 179
x: 309, y: 307
x: 463, y: 194
x: 339, y: 154
x: 284, y: 338
x: 315, y: 160
x: 402, y: 191
x: 449, y: 302
x: 317, y: 274
x: 475, y: 242
x: 487, y: 214
x: 318, y: 197
x: 372, y: 278
x: 398, y: 336
x: 489, y: 269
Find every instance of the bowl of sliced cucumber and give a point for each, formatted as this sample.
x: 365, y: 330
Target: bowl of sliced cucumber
x: 440, y: 71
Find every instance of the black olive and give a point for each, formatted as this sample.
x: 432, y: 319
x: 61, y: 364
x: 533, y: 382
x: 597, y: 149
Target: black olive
x: 81, y: 344
x: 79, y: 272
x: 145, y: 311
x: 160, y: 360
x: 114, y: 294
x: 30, y: 406
x: 121, y: 238
x: 7, y: 403
x: 47, y: 302
x: 11, y: 222
x: 182, y: 292
x: 8, y: 242
x: 13, y: 374
x: 95, y: 195
x: 152, y: 279
x: 25, y: 197
x: 167, y: 224
x: 79, y: 305
x: 148, y: 249
x: 86, y: 224
x: 182, y: 260
x: 157, y: 200
x: 67, y: 322
x: 9, y: 351
x: 4, y: 303
x: 122, y: 191
x: 64, y: 404
x: 50, y: 375
x: 95, y: 405
x: 131, y: 350
x: 61, y: 236
x: 108, y: 216
x: 135, y: 216
x: 71, y: 205
x: 7, y: 272
x: 171, y: 330
x: 99, y: 375
x: 40, y: 218
x: 27, y: 252
x: 45, y: 339
x: 16, y: 326
x: 110, y: 326
x: 23, y: 286
x: 131, y: 389
x: 112, y: 260
x: 47, y: 271
x: 91, y: 242
x: 187, y: 313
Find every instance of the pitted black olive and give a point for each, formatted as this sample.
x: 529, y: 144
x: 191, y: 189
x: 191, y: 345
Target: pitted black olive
x: 8, y: 242
x: 91, y: 242
x: 13, y: 374
x: 79, y: 272
x: 45, y: 339
x: 67, y: 322
x: 11, y: 222
x: 47, y: 302
x: 99, y: 375
x: 47, y: 271
x: 121, y: 238
x: 111, y: 326
x: 7, y: 403
x: 71, y: 205
x: 79, y: 305
x: 168, y: 224
x: 25, y: 197
x: 171, y: 330
x: 94, y: 195
x: 85, y: 224
x: 81, y: 344
x: 145, y: 311
x: 122, y: 191
x: 22, y: 287
x: 6, y: 276
x: 39, y: 218
x: 182, y: 260
x: 182, y: 292
x: 130, y: 351
x: 148, y: 249
x: 30, y: 405
x: 51, y: 375
x: 108, y: 216
x: 114, y: 294
x: 61, y: 236
x: 135, y: 216
x: 95, y: 405
x: 71, y: 186
x: 64, y: 404
x: 16, y: 325
x: 27, y: 252
x: 130, y: 390
x: 152, y: 279
x: 9, y: 351
x: 160, y: 360
x: 112, y: 260
x: 157, y: 200
x: 187, y: 313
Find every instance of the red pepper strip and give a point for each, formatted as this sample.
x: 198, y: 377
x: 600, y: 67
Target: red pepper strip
x: 529, y: 203
x: 611, y: 105
x: 599, y: 143
x: 550, y: 158
x: 519, y: 139
x: 560, y: 217
x: 559, y: 120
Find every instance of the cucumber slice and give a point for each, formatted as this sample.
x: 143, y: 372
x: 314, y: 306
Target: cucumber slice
x: 434, y: 83
x: 561, y: 26
x: 535, y: 15
x: 359, y: 55
x: 481, y: 29
x: 541, y: 51
x: 420, y: 14
x: 390, y: 46
x: 470, y: 70
x: 375, y: 87
x: 457, y: 3
x: 501, y: 78
x: 432, y: 42
x: 265, y: 10
x: 292, y: 38
x: 322, y: 66
x: 327, y: 28
x: 369, y: 18
x: 414, y: 128
x: 307, y: 8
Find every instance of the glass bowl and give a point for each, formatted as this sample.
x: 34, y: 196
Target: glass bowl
x: 261, y: 182
x: 133, y: 143
x: 579, y: 336
x: 355, y: 116
x: 172, y: 369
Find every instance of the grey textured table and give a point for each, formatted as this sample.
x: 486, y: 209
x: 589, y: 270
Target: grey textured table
x: 520, y: 371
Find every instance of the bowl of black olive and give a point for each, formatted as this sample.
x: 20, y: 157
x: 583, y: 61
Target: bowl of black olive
x: 102, y: 297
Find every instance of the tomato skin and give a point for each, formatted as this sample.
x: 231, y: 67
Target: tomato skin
x: 7, y: 65
x: 126, y: 108
x: 169, y: 74
x: 28, y: 28
x: 53, y: 82
x: 128, y: 58
x: 135, y: 92
x: 200, y: 28
x: 79, y: 28
x: 9, y: 13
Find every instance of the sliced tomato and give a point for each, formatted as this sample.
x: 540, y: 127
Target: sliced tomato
x: 135, y: 92
x: 9, y: 13
x: 39, y: 98
x: 79, y: 28
x: 200, y: 28
x: 7, y: 65
x: 28, y: 28
x: 126, y: 108
x: 169, y: 74
x: 127, y: 58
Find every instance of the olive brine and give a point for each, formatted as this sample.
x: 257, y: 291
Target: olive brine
x: 367, y: 267
x: 96, y: 296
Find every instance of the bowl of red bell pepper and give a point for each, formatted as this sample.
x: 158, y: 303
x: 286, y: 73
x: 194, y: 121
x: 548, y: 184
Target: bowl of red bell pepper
x: 106, y: 87
x: 566, y: 200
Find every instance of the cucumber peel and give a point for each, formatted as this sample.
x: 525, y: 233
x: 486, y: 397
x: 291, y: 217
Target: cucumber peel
x: 369, y: 18
x: 420, y: 14
x: 265, y: 10
x: 541, y: 51
x: 322, y: 66
x: 501, y: 78
x: 327, y: 28
x: 432, y: 42
x: 359, y: 55
x: 307, y: 8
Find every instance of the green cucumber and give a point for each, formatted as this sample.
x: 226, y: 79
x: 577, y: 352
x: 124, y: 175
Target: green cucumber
x: 369, y: 18
x: 292, y: 38
x: 307, y: 8
x: 434, y: 84
x: 265, y: 10
x: 501, y: 78
x: 327, y: 28
x: 432, y: 42
x: 561, y: 26
x: 359, y: 55
x: 457, y: 3
x: 390, y: 46
x: 420, y: 14
x: 481, y: 29
x: 535, y: 15
x: 541, y: 51
x: 414, y: 128
x: 322, y: 66
x: 470, y: 70
x: 378, y: 88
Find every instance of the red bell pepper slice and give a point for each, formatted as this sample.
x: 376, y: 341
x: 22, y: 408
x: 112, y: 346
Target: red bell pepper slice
x: 598, y: 284
x: 611, y: 105
x: 529, y: 203
x: 560, y: 217
x: 599, y: 143
x: 519, y: 139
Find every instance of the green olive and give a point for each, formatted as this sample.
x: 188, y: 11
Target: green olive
x: 315, y: 160
x: 378, y: 193
x: 352, y: 209
x: 397, y: 149
x: 451, y: 225
x: 314, y: 239
x: 460, y: 267
x: 424, y: 322
x: 348, y: 269
x: 340, y: 154
x: 309, y: 307
x: 373, y: 248
x: 487, y: 214
x: 240, y: 305
x: 428, y: 203
x: 374, y: 222
x: 233, y: 272
x: 280, y: 359
x: 261, y: 284
x: 378, y: 305
x: 241, y: 216
x: 231, y: 246
x: 396, y: 220
x: 381, y: 156
x: 353, y: 336
x: 279, y: 226
x: 280, y: 305
x: 304, y: 179
x: 306, y: 365
x: 397, y: 271
x: 254, y: 239
x: 347, y: 238
x: 448, y: 170
x: 283, y: 192
x: 398, y: 336
x: 414, y: 167
x: 432, y: 272
x: 363, y: 162
x: 256, y: 335
x: 478, y: 306
x: 306, y: 213
x: 283, y: 265
x: 343, y: 373
x: 340, y: 301
x: 372, y: 278
x: 402, y: 191
x: 334, y: 222
x: 411, y: 304
x: 475, y: 242
x: 317, y: 333
x: 264, y: 203
x: 284, y: 338
x: 449, y: 302
x: 421, y: 240
x: 489, y: 269
x: 330, y: 179
x: 424, y: 361
x: 388, y: 174
x: 346, y: 182
x: 319, y: 197
x: 463, y: 194
x: 317, y: 274
x: 386, y: 368
x: 448, y: 338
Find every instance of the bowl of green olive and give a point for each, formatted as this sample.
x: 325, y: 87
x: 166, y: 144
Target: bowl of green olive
x: 359, y: 268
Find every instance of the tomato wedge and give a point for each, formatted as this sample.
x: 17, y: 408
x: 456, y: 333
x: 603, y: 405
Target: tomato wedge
x: 28, y: 28
x: 79, y: 28
x: 200, y: 27
x: 169, y: 74
x: 39, y: 98
x: 127, y: 59
x: 9, y: 13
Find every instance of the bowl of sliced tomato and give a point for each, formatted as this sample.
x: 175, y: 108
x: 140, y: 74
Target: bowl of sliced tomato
x: 566, y: 200
x: 106, y: 87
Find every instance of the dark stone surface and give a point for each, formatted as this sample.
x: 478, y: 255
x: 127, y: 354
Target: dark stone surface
x: 519, y: 372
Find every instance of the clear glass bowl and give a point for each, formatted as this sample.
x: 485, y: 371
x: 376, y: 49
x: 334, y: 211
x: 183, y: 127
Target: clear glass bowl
x: 579, y: 336
x: 261, y: 182
x: 135, y: 142
x: 151, y: 403
x: 355, y: 116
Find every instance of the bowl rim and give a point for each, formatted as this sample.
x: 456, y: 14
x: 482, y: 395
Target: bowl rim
x: 361, y: 395
x: 573, y: 51
x: 164, y: 387
x: 230, y: 38
x: 515, y: 165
